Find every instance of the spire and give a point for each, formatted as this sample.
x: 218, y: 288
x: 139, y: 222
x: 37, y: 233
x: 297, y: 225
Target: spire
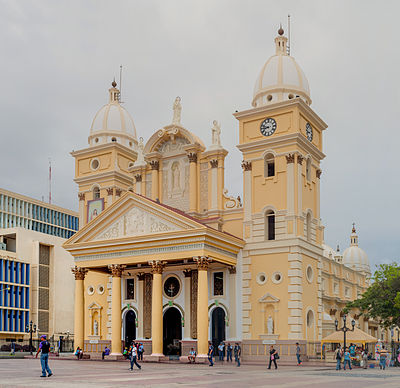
x: 353, y: 237
x: 281, y: 42
x: 114, y: 93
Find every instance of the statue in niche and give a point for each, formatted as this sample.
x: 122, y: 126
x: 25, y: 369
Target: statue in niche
x: 95, y: 328
x: 176, y: 176
x: 270, y: 325
x: 216, y: 132
x: 177, y: 108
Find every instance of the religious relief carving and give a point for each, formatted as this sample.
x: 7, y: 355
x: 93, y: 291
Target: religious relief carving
x: 300, y: 159
x: 138, y: 177
x: 155, y: 165
x: 193, y: 304
x: 147, y: 300
x: 116, y: 270
x: 173, y: 146
x: 187, y: 273
x: 79, y: 272
x: 214, y: 163
x: 289, y: 158
x: 192, y: 157
x: 118, y: 192
x: 177, y: 108
x: 202, y: 262
x: 157, y: 266
x: 246, y: 165
x: 176, y: 177
x: 81, y: 196
x: 318, y: 173
x: 110, y: 191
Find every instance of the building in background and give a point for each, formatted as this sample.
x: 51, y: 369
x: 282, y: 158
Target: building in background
x: 33, y: 267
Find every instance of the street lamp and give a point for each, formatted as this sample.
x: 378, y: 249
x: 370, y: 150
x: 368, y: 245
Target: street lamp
x: 345, y: 329
x: 31, y: 328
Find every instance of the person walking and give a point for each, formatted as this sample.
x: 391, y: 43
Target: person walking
x: 273, y: 354
x: 221, y: 351
x: 133, y: 356
x: 237, y: 352
x: 382, y: 358
x: 229, y: 352
x: 44, y: 349
x: 140, y: 351
x: 338, y: 357
x: 364, y: 356
x: 210, y: 353
x: 298, y: 352
x: 347, y: 359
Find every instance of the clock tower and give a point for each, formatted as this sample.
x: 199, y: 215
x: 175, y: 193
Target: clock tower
x: 281, y: 142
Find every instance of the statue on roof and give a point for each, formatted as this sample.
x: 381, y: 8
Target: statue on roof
x: 177, y: 108
x: 216, y: 134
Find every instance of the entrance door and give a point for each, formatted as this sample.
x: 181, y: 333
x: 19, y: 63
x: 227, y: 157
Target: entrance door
x: 130, y: 327
x: 217, y: 328
x: 172, y: 327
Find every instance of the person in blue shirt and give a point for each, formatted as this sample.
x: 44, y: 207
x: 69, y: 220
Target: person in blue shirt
x: 44, y: 349
x: 352, y: 350
x: 347, y: 359
x: 105, y: 353
x: 210, y: 353
x: 221, y: 351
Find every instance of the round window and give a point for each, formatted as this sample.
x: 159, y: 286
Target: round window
x: 114, y: 139
x: 269, y: 97
x: 95, y: 164
x: 309, y: 274
x: 96, y: 140
x: 172, y: 287
x: 261, y: 278
x: 90, y: 290
x: 100, y: 289
x: 277, y: 277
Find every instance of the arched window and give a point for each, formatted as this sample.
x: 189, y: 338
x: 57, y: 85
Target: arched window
x: 270, y: 225
x: 308, y: 169
x: 96, y: 193
x: 269, y: 165
x: 308, y: 225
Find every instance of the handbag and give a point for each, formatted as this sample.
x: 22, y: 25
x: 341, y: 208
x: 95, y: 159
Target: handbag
x: 276, y: 356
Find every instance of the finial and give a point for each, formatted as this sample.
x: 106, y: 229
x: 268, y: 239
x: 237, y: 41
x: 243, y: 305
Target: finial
x: 337, y: 248
x: 280, y: 31
x: 113, y: 84
x: 354, y: 228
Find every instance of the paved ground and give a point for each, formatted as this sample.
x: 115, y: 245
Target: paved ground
x: 70, y: 373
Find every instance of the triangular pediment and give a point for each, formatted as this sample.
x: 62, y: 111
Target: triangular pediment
x: 133, y: 216
x: 268, y: 298
x: 94, y: 306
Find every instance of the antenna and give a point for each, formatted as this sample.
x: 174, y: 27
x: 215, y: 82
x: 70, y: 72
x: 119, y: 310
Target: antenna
x: 49, y: 180
x: 120, y: 82
x: 288, y: 46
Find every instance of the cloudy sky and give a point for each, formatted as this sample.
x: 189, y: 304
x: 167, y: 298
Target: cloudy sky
x: 59, y: 57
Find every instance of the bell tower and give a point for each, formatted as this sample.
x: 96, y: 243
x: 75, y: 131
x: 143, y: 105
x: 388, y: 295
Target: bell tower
x: 281, y: 142
x: 102, y: 169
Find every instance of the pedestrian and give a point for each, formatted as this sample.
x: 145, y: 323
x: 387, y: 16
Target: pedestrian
x: 105, y: 353
x: 298, y: 352
x: 338, y: 357
x: 44, y: 348
x: 210, y: 353
x: 382, y: 358
x: 352, y: 350
x: 133, y: 356
x: 347, y: 359
x: 140, y: 351
x: 192, y: 356
x: 221, y: 351
x: 364, y: 356
x: 238, y: 353
x: 13, y: 348
x: 229, y: 352
x: 273, y: 356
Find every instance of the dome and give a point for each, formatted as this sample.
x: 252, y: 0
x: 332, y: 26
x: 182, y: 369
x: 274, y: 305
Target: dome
x: 354, y: 257
x: 113, y: 123
x: 281, y: 78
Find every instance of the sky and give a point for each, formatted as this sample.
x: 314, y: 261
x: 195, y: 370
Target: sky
x: 58, y: 59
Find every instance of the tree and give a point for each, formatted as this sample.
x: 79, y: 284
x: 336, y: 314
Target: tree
x: 381, y: 301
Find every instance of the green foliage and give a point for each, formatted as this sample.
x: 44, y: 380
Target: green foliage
x: 381, y: 301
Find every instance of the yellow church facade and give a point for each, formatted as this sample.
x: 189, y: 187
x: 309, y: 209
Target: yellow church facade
x: 166, y: 257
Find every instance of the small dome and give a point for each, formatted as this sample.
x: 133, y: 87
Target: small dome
x: 112, y: 123
x: 354, y: 257
x: 281, y: 78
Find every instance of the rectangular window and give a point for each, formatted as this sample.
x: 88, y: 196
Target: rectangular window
x: 218, y: 283
x: 271, y: 227
x: 270, y: 168
x: 130, y: 288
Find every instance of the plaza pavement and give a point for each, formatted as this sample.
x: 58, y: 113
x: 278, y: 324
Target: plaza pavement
x: 71, y: 373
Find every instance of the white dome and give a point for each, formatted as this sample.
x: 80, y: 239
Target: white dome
x: 354, y: 257
x: 281, y: 78
x: 112, y: 123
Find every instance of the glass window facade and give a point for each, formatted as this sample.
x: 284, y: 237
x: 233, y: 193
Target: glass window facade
x: 14, y: 295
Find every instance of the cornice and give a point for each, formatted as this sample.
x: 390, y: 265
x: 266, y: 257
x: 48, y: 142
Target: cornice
x: 126, y: 177
x: 105, y: 147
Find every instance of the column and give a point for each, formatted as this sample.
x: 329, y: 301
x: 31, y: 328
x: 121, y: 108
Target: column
x: 82, y: 219
x: 157, y: 268
x: 214, y: 184
x: 79, y: 318
x: 232, y: 303
x: 116, y: 321
x: 187, y: 287
x: 192, y: 156
x: 140, y: 304
x: 110, y: 192
x: 202, y: 306
x: 155, y: 165
x: 247, y: 190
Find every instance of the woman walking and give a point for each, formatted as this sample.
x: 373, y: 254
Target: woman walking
x: 273, y: 356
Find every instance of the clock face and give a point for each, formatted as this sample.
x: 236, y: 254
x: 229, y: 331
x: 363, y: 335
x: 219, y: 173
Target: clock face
x: 309, y: 132
x: 268, y: 126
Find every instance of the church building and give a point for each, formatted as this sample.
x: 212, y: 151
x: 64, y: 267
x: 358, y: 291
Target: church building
x: 166, y: 257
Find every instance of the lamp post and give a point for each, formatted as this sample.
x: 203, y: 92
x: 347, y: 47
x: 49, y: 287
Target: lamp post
x: 30, y: 328
x: 345, y: 329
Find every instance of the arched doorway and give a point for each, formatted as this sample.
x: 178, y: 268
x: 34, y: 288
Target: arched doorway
x: 217, y: 327
x: 172, y: 327
x: 130, y: 327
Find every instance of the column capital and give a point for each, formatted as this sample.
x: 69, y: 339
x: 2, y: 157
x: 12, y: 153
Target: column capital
x: 81, y: 196
x: 79, y: 272
x: 187, y: 273
x: 232, y: 269
x: 246, y: 165
x: 318, y: 173
x: 300, y: 159
x: 110, y: 190
x: 116, y: 270
x: 202, y: 262
x: 154, y: 164
x: 118, y: 192
x: 157, y: 266
x: 214, y: 163
x: 289, y: 158
x: 141, y: 275
x: 192, y: 156
x: 138, y: 177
